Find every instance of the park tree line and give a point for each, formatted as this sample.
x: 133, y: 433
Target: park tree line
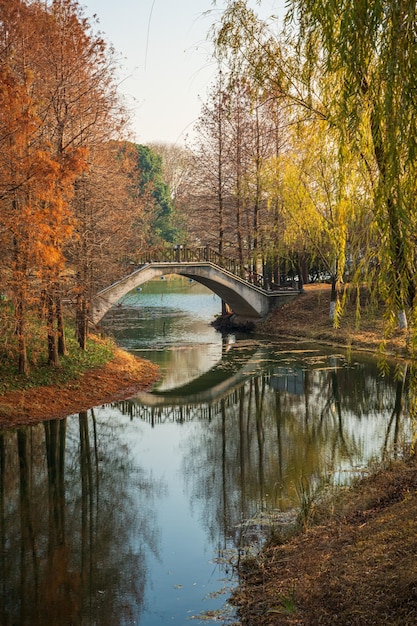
x: 75, y: 196
x: 306, y: 147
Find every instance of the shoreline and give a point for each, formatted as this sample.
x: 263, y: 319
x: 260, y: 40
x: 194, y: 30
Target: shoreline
x: 119, y: 379
x: 308, y: 315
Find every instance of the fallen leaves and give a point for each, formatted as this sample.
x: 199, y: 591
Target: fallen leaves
x: 119, y: 379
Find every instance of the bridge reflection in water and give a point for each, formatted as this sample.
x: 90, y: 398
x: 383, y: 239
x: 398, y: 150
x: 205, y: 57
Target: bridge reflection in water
x: 316, y: 392
x: 161, y: 411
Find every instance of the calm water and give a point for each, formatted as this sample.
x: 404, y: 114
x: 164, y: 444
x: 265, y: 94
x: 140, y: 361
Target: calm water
x: 133, y: 513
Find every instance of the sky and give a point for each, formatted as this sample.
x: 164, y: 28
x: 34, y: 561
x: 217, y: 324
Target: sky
x: 165, y: 57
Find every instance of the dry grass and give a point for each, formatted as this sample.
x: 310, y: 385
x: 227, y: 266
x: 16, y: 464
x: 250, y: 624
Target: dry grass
x: 307, y: 316
x: 357, y: 568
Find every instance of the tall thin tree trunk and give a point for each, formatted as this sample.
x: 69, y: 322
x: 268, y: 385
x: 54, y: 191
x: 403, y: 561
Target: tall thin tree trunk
x: 53, y: 358
x: 81, y: 325
x: 334, y: 297
x: 220, y: 176
x: 62, y: 344
x: 23, y: 363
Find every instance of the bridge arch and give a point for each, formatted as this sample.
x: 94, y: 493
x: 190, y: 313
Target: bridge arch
x: 246, y: 300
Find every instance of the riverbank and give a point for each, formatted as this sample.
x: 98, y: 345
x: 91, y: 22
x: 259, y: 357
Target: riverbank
x: 307, y: 317
x: 118, y: 379
x: 353, y: 565
x: 354, y: 562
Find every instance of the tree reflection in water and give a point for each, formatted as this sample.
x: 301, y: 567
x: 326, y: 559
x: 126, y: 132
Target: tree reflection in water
x: 279, y: 435
x: 72, y: 561
x: 78, y: 512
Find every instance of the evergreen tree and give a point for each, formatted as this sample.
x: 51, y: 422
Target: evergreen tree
x: 150, y: 183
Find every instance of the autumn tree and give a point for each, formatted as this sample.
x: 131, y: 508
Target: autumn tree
x: 35, y: 184
x: 235, y: 134
x: 21, y: 196
x: 366, y: 54
x: 59, y: 101
x: 211, y: 172
x: 109, y: 227
x: 82, y: 107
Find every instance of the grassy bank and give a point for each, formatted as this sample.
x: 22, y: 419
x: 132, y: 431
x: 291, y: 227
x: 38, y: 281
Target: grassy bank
x: 71, y: 366
x: 354, y: 562
x: 103, y: 373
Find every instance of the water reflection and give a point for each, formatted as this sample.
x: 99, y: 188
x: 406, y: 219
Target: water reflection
x: 66, y: 520
x: 115, y: 516
x: 167, y: 322
x: 288, y: 421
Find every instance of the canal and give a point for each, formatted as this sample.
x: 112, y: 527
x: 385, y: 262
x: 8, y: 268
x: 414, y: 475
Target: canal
x: 136, y: 512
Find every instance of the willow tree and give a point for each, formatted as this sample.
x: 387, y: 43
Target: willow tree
x: 324, y: 201
x: 366, y: 54
x: 370, y: 47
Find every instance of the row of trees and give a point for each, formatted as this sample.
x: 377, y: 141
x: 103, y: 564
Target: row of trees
x: 274, y: 187
x: 75, y: 197
x: 305, y: 150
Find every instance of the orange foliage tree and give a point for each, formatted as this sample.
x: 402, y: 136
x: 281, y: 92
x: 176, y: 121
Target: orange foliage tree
x: 58, y: 103
x: 111, y: 226
x: 81, y: 111
x: 34, y: 212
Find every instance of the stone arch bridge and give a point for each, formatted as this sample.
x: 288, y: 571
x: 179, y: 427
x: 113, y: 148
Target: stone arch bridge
x: 247, y: 300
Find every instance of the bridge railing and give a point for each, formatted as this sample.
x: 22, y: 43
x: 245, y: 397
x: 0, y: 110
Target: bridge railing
x: 200, y: 254
x: 184, y: 254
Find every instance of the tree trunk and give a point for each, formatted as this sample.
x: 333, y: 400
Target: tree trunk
x: 334, y: 297
x: 302, y: 271
x: 62, y: 344
x: 397, y: 248
x: 53, y: 358
x: 81, y: 322
x: 23, y: 363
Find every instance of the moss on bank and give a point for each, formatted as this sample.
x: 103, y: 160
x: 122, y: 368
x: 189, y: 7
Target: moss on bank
x: 72, y: 365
